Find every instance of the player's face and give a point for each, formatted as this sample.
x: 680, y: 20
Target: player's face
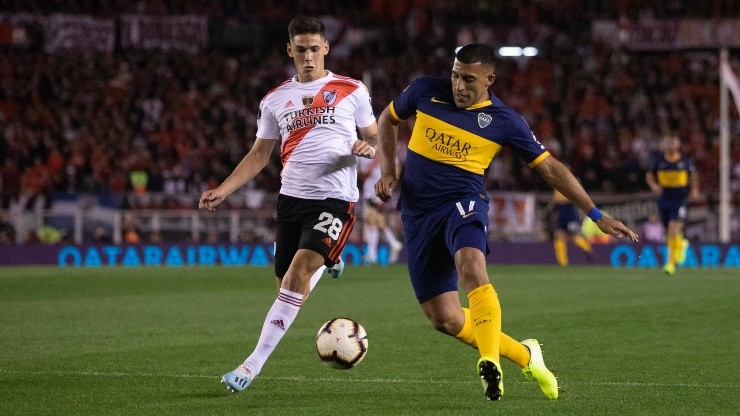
x: 308, y: 51
x: 470, y: 83
x: 671, y: 144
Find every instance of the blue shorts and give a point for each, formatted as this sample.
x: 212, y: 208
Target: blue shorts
x: 433, y: 239
x: 671, y: 211
x: 567, y: 218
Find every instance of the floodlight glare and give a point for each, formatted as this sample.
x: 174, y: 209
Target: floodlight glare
x: 510, y: 51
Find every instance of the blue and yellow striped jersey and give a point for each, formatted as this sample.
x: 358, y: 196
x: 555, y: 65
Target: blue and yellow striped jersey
x: 450, y: 147
x: 672, y: 175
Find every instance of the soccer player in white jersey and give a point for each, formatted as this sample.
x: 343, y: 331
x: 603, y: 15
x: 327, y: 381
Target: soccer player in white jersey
x: 316, y: 114
x: 374, y: 217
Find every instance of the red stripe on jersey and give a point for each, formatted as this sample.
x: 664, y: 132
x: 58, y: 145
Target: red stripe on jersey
x: 343, y: 88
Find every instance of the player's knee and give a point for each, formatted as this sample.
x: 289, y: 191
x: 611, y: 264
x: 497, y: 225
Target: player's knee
x: 444, y: 325
x: 471, y: 272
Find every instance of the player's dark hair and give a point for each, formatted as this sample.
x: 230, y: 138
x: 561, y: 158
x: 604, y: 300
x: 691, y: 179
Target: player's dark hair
x: 302, y: 25
x: 473, y: 53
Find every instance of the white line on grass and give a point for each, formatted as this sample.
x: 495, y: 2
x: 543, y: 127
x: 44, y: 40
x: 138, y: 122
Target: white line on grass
x: 360, y: 380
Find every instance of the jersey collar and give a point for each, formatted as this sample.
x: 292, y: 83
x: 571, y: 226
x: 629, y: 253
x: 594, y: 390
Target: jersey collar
x: 483, y: 103
x: 328, y: 75
x: 673, y: 159
x: 480, y: 105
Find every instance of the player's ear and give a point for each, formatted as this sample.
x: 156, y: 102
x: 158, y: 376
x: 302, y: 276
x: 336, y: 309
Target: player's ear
x: 326, y: 46
x: 491, y: 79
x: 289, y: 49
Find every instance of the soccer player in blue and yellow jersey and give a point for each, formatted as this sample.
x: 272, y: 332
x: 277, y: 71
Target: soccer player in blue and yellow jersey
x: 460, y: 126
x: 567, y: 226
x: 672, y: 177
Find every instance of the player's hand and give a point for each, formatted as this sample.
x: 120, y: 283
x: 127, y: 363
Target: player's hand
x: 362, y: 149
x: 694, y: 196
x: 615, y: 228
x: 210, y: 199
x: 657, y: 190
x: 385, y: 186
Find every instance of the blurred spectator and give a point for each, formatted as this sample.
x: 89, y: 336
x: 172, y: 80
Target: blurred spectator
x: 169, y: 122
x: 155, y: 237
x: 101, y: 235
x: 590, y: 169
x: 7, y: 232
x: 130, y: 228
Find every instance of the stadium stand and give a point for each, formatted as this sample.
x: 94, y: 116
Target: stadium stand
x: 151, y: 128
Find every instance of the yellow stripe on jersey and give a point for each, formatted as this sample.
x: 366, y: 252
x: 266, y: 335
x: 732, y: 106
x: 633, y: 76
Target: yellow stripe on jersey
x: 673, y: 178
x: 479, y: 105
x: 393, y: 113
x: 539, y: 159
x: 451, y: 145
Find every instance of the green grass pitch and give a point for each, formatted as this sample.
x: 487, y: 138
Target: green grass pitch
x: 154, y: 341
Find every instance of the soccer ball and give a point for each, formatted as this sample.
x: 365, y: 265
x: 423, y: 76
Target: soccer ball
x: 341, y: 343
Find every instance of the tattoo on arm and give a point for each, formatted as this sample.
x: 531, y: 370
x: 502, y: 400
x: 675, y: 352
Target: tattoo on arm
x: 372, y: 140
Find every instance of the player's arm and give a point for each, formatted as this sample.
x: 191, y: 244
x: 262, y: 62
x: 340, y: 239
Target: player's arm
x: 366, y: 146
x: 248, y: 168
x: 387, y: 141
x: 560, y: 178
x: 653, y: 183
x: 694, y: 186
x: 368, y: 126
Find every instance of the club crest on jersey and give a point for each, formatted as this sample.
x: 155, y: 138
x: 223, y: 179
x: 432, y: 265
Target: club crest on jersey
x: 484, y: 120
x: 330, y: 97
x: 307, y: 101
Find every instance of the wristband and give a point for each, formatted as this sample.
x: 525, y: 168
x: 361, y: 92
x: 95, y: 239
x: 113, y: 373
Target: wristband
x: 595, y: 214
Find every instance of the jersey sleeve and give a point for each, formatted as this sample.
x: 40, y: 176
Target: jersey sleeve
x: 690, y: 165
x: 523, y: 141
x: 653, y: 166
x: 267, y: 125
x: 364, y: 112
x: 404, y: 105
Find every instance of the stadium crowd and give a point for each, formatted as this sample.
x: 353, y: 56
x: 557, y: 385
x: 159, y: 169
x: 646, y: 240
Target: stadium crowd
x: 137, y: 123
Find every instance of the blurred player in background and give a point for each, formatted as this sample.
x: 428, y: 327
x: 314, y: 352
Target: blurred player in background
x: 316, y: 114
x: 460, y: 126
x: 567, y: 226
x: 374, y: 215
x: 672, y: 177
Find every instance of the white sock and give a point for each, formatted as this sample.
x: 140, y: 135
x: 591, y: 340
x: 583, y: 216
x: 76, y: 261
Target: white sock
x: 315, y: 278
x: 279, y: 318
x: 392, y: 240
x: 371, y: 238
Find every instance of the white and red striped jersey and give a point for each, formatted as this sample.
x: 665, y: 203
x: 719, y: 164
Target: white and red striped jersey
x: 317, y: 124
